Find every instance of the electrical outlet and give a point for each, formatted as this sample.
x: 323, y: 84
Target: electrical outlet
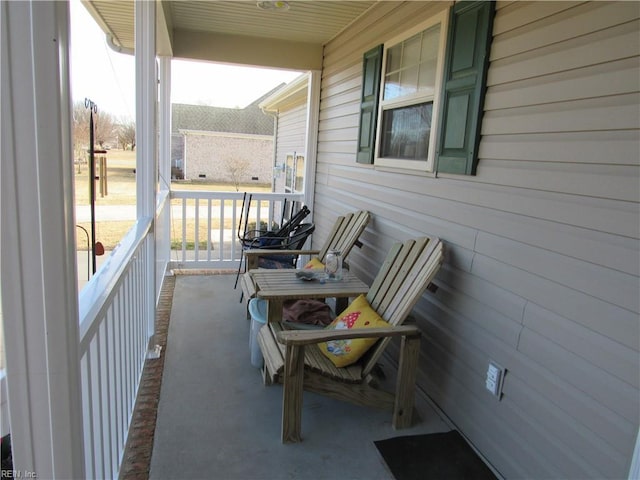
x: 495, y: 377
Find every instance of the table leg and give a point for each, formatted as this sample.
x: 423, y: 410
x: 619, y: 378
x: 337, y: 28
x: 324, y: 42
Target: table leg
x: 274, y: 310
x: 341, y: 304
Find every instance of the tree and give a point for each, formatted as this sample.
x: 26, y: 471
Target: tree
x: 237, y: 170
x: 104, y: 128
x: 80, y: 133
x: 127, y: 135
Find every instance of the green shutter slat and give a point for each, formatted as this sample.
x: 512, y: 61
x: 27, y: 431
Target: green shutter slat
x: 466, y: 64
x: 371, y: 70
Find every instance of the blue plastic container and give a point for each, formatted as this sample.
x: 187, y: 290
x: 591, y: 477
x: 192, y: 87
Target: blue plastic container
x: 258, y: 312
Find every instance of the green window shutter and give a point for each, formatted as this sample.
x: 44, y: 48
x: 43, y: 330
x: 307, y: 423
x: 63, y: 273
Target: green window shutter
x: 465, y: 72
x: 371, y: 70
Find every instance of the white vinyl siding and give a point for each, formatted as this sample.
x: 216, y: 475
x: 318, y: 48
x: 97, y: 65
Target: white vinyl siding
x: 542, y: 268
x: 290, y: 138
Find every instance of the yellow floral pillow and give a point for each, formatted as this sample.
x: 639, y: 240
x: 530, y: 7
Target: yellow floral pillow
x: 357, y: 315
x: 314, y: 264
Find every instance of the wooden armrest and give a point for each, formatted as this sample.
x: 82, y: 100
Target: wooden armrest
x: 259, y: 252
x: 307, y: 337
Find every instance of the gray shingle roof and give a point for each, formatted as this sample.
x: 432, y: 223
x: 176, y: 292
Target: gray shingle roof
x: 249, y: 120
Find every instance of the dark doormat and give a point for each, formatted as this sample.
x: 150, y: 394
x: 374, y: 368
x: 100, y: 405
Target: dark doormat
x: 436, y: 456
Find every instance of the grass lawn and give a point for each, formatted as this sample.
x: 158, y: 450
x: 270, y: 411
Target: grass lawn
x: 121, y: 190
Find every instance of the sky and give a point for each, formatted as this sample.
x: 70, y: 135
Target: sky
x: 108, y: 78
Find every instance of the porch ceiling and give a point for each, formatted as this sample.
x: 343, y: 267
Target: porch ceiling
x: 235, y: 31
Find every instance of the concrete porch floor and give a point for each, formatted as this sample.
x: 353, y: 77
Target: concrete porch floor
x: 216, y: 420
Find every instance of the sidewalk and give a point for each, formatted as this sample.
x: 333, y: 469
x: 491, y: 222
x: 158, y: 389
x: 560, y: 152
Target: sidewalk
x: 106, y: 213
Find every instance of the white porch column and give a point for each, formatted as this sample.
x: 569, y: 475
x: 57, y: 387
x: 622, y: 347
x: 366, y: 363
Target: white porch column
x: 163, y: 212
x: 164, y: 116
x: 311, y: 148
x: 146, y: 135
x: 37, y: 241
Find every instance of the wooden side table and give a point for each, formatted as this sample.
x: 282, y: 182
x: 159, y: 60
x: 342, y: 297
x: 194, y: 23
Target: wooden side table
x: 276, y: 286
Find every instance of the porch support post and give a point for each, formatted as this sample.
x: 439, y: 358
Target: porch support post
x: 37, y: 242
x: 146, y: 139
x: 311, y: 147
x: 163, y: 210
x: 165, y: 122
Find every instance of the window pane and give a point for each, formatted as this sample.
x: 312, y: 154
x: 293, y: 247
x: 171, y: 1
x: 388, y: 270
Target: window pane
x: 405, y: 132
x: 408, y: 81
x: 394, y: 59
x: 288, y: 173
x: 430, y: 42
x: 299, y: 173
x: 429, y: 58
x: 392, y: 86
x: 427, y: 77
x: 411, y: 51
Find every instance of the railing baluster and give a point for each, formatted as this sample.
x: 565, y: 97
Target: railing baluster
x: 138, y: 328
x: 259, y: 215
x: 117, y: 369
x: 196, y: 235
x: 124, y: 352
x: 94, y: 353
x: 184, y: 229
x: 270, y: 209
x: 130, y: 313
x: 209, y: 228
x: 110, y: 348
x: 234, y: 227
x: 221, y: 230
x: 87, y: 409
x: 104, y: 398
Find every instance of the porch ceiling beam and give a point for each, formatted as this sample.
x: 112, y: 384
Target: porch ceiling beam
x: 241, y: 49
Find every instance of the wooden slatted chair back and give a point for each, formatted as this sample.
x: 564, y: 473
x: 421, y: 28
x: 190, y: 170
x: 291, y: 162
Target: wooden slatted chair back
x: 399, y: 284
x: 345, y: 233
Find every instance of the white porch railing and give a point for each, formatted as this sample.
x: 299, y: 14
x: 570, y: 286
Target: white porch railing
x: 204, y: 225
x: 114, y: 316
x: 114, y: 320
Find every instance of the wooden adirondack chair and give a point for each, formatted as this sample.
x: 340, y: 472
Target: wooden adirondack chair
x: 293, y: 358
x: 344, y: 235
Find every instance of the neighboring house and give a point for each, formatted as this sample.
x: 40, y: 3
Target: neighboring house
x: 227, y: 157
x: 290, y: 106
x: 229, y: 145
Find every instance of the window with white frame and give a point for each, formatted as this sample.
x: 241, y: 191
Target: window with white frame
x: 421, y: 105
x: 409, y: 97
x: 294, y: 173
